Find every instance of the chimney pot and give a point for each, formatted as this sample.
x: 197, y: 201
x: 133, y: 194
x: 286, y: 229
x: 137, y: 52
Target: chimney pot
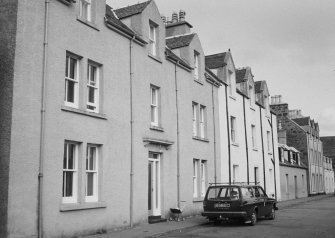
x: 182, y: 15
x: 174, y: 17
x: 164, y: 19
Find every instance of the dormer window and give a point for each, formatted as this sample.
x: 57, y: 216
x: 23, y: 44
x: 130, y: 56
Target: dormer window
x: 85, y: 9
x: 153, y: 39
x: 196, y: 65
x: 251, y: 95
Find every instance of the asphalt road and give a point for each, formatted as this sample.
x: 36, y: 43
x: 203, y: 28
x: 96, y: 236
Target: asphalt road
x: 311, y: 219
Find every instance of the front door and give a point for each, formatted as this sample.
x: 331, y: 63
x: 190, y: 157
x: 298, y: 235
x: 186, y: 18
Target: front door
x: 295, y: 187
x: 154, y: 185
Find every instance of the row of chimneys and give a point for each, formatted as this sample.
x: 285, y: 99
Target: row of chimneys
x: 175, y: 17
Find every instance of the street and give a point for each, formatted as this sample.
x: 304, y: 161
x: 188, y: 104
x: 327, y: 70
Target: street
x: 311, y: 219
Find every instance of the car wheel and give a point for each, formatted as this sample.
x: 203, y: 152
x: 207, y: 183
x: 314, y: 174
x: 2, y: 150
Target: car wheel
x: 272, y: 215
x: 253, y: 218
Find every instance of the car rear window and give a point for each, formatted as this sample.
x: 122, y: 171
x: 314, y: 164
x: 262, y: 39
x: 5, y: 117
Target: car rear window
x: 223, y: 193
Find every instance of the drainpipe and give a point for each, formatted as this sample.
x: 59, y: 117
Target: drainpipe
x: 309, y: 187
x: 246, y: 139
x: 42, y: 126
x: 131, y: 210
x: 214, y: 134
x: 228, y: 134
x: 178, y: 134
x: 261, y: 121
x: 274, y: 159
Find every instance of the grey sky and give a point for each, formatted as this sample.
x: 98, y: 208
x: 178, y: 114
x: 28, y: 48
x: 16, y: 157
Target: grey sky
x: 288, y: 43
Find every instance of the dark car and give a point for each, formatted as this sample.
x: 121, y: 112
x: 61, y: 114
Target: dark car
x: 238, y: 201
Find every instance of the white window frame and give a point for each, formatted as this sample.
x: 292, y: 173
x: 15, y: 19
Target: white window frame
x: 74, y: 170
x: 93, y: 84
x: 203, y: 178
x: 74, y: 80
x: 154, y: 104
x: 195, y: 118
x: 233, y: 129
x: 253, y: 136
x: 85, y: 9
x: 195, y: 177
x: 202, y: 122
x: 153, y: 39
x: 196, y: 65
x: 92, y: 170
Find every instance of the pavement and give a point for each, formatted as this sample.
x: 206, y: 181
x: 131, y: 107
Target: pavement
x: 159, y: 229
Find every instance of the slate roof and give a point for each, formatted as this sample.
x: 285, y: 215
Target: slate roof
x: 178, y: 23
x: 241, y: 75
x: 328, y: 146
x: 113, y: 20
x: 258, y: 86
x: 125, y: 12
x: 174, y: 57
x: 179, y: 41
x: 303, y: 121
x: 215, y: 61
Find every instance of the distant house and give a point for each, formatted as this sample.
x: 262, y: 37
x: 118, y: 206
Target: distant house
x: 293, y: 173
x: 302, y: 133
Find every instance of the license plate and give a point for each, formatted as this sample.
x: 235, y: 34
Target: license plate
x: 224, y: 205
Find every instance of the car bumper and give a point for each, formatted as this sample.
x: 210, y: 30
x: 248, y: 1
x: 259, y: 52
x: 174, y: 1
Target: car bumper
x: 219, y: 215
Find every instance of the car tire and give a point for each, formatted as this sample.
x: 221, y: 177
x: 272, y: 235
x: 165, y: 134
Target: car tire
x: 253, y: 218
x: 272, y: 215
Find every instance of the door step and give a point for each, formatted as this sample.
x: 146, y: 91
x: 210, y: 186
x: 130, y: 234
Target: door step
x: 156, y: 219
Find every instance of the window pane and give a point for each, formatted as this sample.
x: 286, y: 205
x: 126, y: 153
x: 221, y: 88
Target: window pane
x: 72, y: 68
x: 65, y: 156
x: 68, y: 184
x: 153, y: 96
x: 71, y: 156
x: 70, y: 91
x: 90, y: 180
x: 67, y: 66
x: 91, y: 92
x: 153, y: 114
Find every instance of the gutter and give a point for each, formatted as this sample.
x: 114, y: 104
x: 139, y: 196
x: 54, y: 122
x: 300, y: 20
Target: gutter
x: 214, y: 134
x: 131, y: 210
x: 274, y: 158
x: 228, y: 134
x: 261, y: 122
x: 42, y: 126
x: 178, y: 135
x: 246, y: 139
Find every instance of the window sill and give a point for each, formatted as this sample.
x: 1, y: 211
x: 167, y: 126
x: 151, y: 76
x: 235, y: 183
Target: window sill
x: 269, y: 153
x: 155, y: 57
x: 232, y: 97
x: 235, y: 144
x: 199, y: 81
x: 252, y: 108
x: 200, y: 139
x: 255, y: 149
x: 88, y: 23
x: 157, y: 128
x: 84, y: 206
x: 82, y: 112
x: 198, y: 199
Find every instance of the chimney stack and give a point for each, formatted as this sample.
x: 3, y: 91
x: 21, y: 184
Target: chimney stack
x: 182, y: 15
x: 163, y: 19
x: 174, y: 17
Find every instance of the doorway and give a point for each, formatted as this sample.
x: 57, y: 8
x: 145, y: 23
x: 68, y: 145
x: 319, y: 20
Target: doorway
x: 295, y: 187
x: 154, y: 186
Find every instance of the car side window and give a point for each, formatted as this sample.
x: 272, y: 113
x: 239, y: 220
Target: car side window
x: 247, y: 193
x: 257, y: 194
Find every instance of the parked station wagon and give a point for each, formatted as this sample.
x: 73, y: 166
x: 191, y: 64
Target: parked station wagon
x: 238, y: 201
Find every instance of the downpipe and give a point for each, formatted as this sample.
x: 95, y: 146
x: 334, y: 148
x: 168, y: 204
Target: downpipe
x: 261, y: 122
x: 178, y: 135
x: 246, y: 139
x: 228, y: 134
x: 42, y: 125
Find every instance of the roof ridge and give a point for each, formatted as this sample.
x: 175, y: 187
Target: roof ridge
x: 139, y: 3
